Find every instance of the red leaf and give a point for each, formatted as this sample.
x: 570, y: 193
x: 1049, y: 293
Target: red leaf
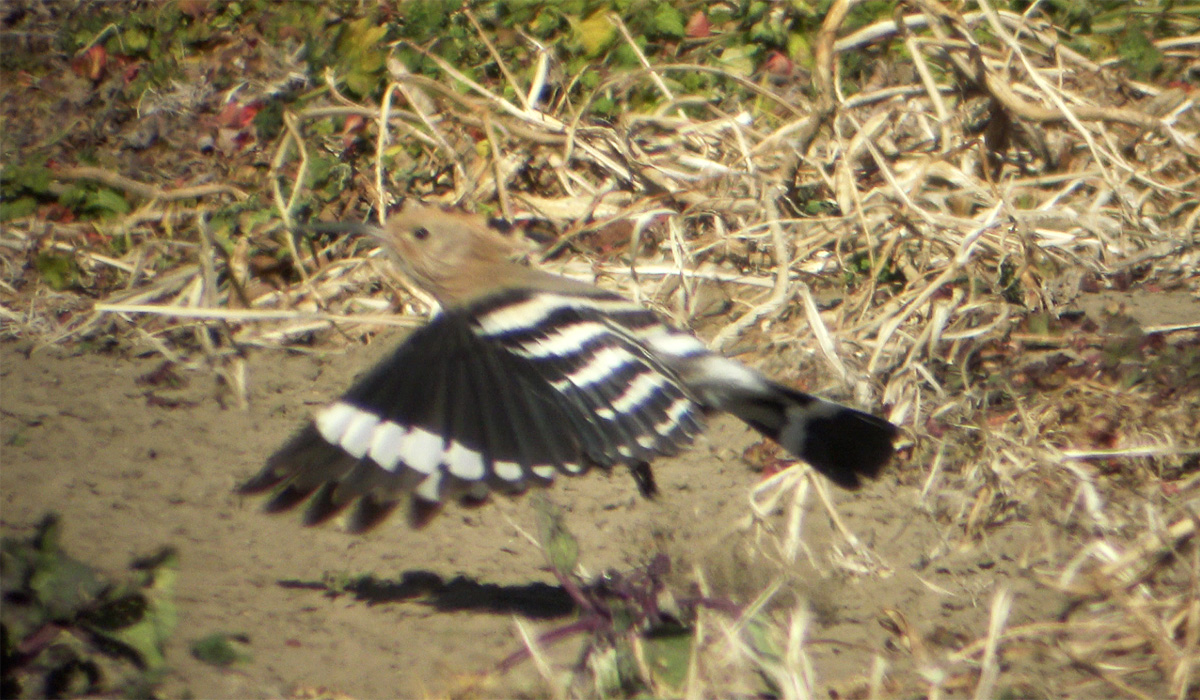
x: 235, y: 115
x: 778, y: 64
x: 227, y: 117
x: 354, y: 124
x: 94, y: 237
x: 194, y: 8
x: 56, y: 212
x: 130, y: 73
x: 90, y: 64
x: 248, y: 113
x: 698, y: 26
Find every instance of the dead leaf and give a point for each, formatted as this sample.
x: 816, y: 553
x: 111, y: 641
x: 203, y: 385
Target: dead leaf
x: 698, y: 26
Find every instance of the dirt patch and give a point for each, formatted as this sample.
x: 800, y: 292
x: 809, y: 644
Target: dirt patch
x: 131, y: 466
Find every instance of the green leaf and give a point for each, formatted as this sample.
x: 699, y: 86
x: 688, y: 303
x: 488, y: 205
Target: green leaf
x: 139, y: 618
x: 362, y: 55
x: 589, y: 79
x: 595, y: 34
x: 762, y: 635
x: 106, y: 202
x: 738, y: 60
x: 60, y: 585
x: 799, y: 48
x: 1139, y: 53
x: 668, y: 655
x: 561, y: 547
x: 160, y: 574
x: 604, y: 107
x: 221, y: 649
x: 17, y: 208
x: 624, y: 55
x: 33, y: 177
x: 667, y: 21
x: 135, y: 40
x: 257, y: 218
x: 426, y: 20
x: 74, y: 197
x: 545, y: 23
x: 269, y: 120
x: 59, y: 272
x: 319, y: 168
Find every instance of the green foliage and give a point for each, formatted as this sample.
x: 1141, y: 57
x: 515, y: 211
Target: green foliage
x: 59, y: 272
x: 362, y: 55
x: 288, y: 22
x: 18, y: 438
x: 356, y: 41
x: 427, y: 20
x: 595, y: 34
x: 247, y: 218
x: 135, y: 40
x: 1138, y: 52
x: 620, y: 610
x: 1010, y: 283
x: 77, y: 632
x: 668, y: 651
x: 268, y: 123
x: 1102, y: 28
x: 561, y: 547
x: 93, y: 201
x: 22, y: 187
x: 328, y: 177
x: 666, y: 21
x: 17, y: 208
x: 221, y: 649
x: 738, y: 60
x: 859, y: 267
x: 865, y: 13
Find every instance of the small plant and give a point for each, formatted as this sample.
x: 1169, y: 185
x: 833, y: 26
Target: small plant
x: 633, y: 646
x: 67, y: 631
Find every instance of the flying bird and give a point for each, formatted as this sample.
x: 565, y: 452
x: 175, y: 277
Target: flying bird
x: 525, y: 375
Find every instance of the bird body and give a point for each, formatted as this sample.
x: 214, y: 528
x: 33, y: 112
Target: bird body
x: 525, y: 375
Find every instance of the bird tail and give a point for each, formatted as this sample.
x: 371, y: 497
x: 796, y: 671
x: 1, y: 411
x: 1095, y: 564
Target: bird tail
x: 843, y: 444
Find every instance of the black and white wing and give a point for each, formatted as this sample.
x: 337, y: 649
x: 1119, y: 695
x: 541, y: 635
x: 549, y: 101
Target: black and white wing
x: 590, y: 349
x: 495, y: 396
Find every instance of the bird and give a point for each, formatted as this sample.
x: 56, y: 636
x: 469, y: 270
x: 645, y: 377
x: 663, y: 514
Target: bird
x: 525, y: 375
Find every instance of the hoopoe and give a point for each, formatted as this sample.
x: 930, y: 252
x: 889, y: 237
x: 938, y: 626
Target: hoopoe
x: 525, y: 375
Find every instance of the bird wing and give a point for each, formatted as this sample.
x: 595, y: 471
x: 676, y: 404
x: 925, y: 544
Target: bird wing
x: 473, y: 402
x: 588, y: 348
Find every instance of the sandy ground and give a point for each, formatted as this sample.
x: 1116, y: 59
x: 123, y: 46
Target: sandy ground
x: 129, y: 474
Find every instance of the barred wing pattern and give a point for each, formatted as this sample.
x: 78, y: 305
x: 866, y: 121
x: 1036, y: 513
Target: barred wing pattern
x: 496, y: 395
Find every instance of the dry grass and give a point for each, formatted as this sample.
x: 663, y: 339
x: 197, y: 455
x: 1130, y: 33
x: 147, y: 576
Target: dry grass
x: 957, y: 216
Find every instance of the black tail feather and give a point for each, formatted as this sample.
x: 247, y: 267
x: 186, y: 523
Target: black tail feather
x: 845, y: 445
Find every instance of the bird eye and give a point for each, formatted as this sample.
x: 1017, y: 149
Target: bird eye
x: 421, y: 233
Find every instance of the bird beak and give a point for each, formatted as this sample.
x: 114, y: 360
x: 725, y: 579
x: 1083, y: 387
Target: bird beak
x: 352, y: 228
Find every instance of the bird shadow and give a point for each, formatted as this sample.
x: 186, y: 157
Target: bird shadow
x: 538, y: 601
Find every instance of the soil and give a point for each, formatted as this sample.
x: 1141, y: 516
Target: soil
x: 131, y: 467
